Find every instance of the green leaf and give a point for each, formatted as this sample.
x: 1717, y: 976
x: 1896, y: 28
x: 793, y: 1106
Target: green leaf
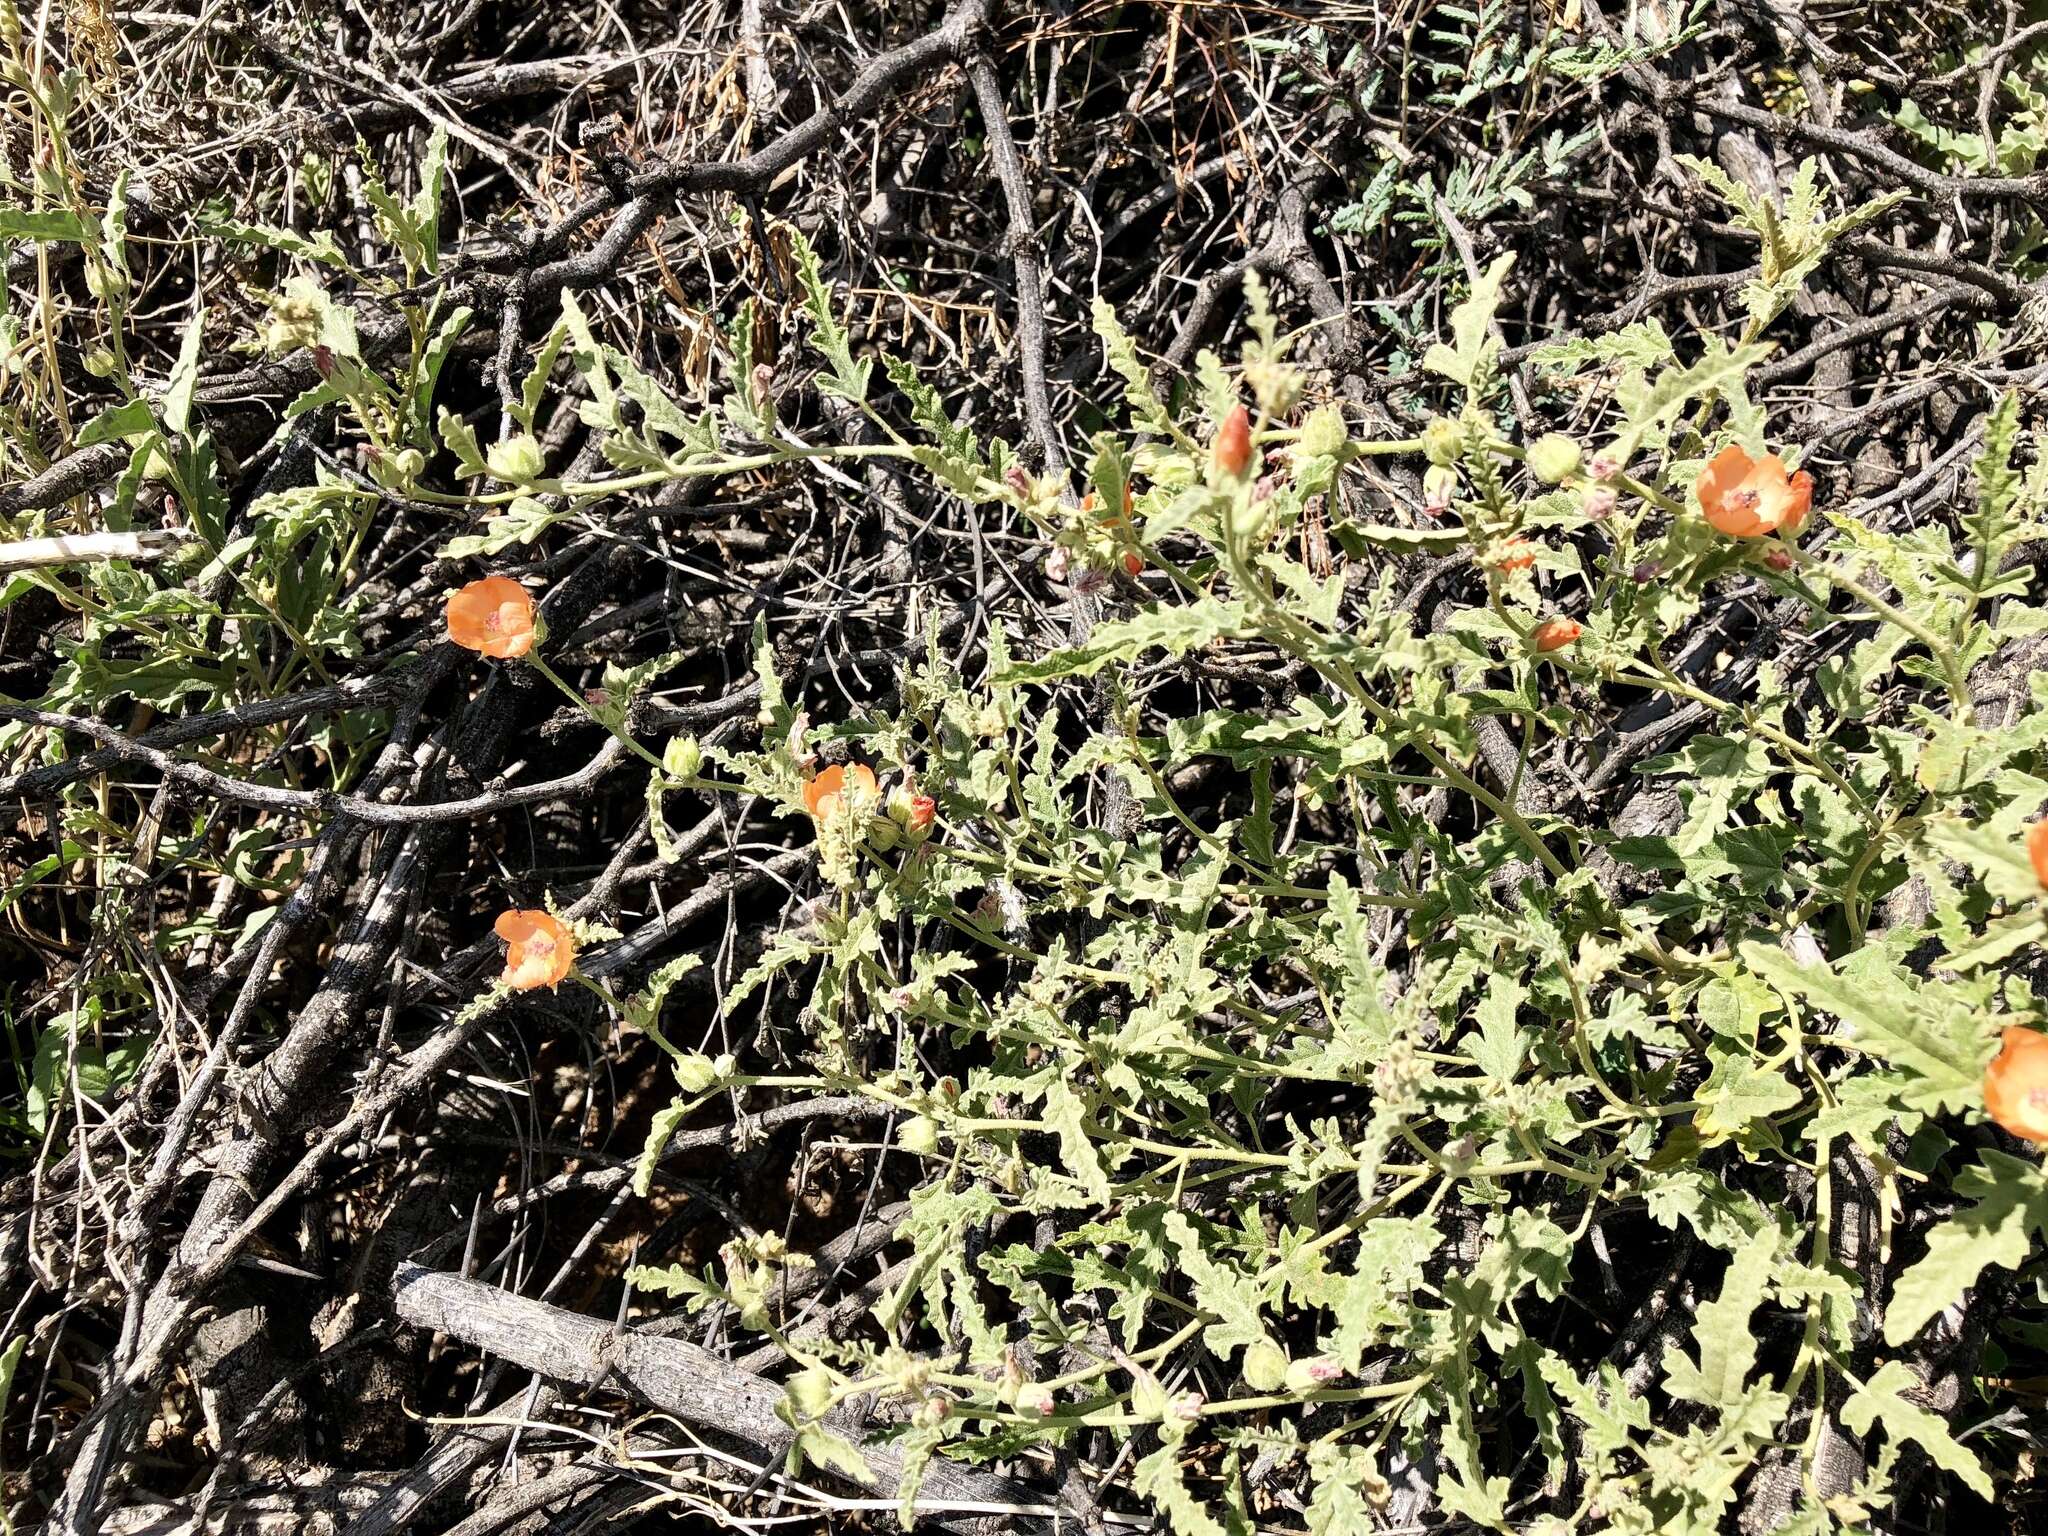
x: 1470, y: 352
x: 1651, y: 406
x: 1148, y: 413
x: 184, y: 380
x: 847, y: 379
x: 1068, y: 1117
x: 1174, y: 629
x: 1727, y: 1343
x: 1995, y: 856
x: 1232, y: 1297
x: 658, y: 1134
x: 1887, y: 1017
x: 128, y: 422
x: 2011, y: 1202
x: 1878, y: 1400
x: 1158, y: 1477
x: 43, y: 224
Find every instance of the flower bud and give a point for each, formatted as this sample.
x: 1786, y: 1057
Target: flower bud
x: 518, y: 459
x: 1555, y: 634
x: 1265, y: 1366
x: 1443, y: 440
x: 1186, y: 1407
x: 1598, y: 503
x: 1439, y: 484
x: 1308, y: 1375
x: 919, y: 1135
x: 1779, y: 560
x: 1231, y: 452
x: 1603, y: 466
x: 1324, y: 434
x: 1035, y: 1399
x: 1554, y: 458
x: 1056, y: 563
x: 682, y: 757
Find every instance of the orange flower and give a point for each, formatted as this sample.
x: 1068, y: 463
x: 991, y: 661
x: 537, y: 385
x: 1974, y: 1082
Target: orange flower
x: 539, y: 949
x: 2016, y: 1084
x: 2037, y: 850
x: 1744, y: 497
x: 493, y: 617
x: 1515, y: 555
x: 1110, y: 519
x: 1556, y: 634
x: 1133, y: 562
x: 823, y: 789
x: 1232, y: 450
x: 922, y: 809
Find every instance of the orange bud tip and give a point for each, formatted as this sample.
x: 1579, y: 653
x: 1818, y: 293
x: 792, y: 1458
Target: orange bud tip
x: 1232, y: 450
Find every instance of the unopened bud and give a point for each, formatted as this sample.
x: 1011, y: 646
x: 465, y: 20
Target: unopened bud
x: 1265, y: 1366
x: 1308, y: 1375
x: 1598, y: 502
x: 1443, y: 441
x: 682, y: 757
x: 1554, y: 458
x: 1231, y: 452
x: 518, y: 459
x: 1439, y: 484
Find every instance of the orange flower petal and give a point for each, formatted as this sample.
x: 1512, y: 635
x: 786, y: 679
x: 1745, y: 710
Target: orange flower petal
x: 1745, y: 498
x: 2037, y: 850
x: 539, y: 949
x: 493, y: 617
x: 1555, y: 634
x: 1515, y: 555
x: 2016, y: 1084
x: 823, y: 789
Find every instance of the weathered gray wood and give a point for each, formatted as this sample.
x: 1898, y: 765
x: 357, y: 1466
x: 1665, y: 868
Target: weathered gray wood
x: 672, y: 1375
